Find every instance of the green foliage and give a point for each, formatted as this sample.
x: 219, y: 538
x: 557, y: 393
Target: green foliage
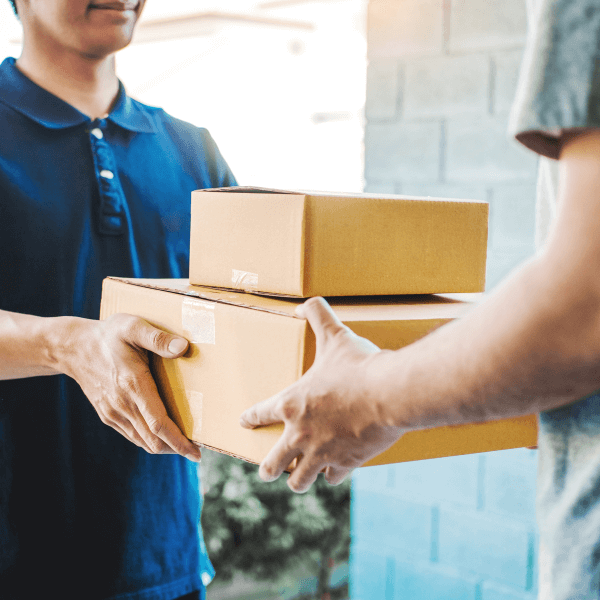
x: 264, y: 529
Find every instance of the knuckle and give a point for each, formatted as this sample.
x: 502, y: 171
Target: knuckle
x: 156, y: 426
x: 297, y: 486
x: 268, y: 471
x: 104, y: 419
x: 155, y: 446
x: 127, y: 323
x: 112, y: 414
x: 288, y: 409
x: 299, y: 438
x: 128, y: 383
x: 159, y: 339
x: 347, y: 462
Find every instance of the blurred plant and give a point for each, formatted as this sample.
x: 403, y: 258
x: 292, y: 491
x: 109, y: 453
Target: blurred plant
x: 263, y: 529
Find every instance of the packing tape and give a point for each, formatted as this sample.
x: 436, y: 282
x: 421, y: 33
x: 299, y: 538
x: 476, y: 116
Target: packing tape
x: 196, y: 398
x: 244, y: 281
x: 198, y: 321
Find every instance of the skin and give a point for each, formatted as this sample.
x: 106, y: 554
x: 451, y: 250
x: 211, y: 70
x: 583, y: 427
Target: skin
x: 68, y: 49
x: 531, y: 346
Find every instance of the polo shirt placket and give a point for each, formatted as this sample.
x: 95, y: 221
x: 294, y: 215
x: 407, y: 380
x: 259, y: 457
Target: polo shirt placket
x: 111, y: 218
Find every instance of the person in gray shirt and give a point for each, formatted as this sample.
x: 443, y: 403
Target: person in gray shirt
x: 532, y: 346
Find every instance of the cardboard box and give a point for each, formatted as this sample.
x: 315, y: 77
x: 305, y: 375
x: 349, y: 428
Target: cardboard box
x: 246, y: 348
x: 321, y: 244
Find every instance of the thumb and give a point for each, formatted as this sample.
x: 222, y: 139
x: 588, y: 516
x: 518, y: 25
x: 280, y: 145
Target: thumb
x: 322, y: 319
x: 158, y: 341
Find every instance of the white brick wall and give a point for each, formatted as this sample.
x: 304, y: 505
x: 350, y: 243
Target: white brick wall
x: 447, y: 85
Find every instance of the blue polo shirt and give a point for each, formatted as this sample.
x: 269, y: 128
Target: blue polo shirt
x: 83, y: 512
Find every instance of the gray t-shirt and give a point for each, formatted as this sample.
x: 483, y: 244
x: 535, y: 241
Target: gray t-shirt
x: 559, y: 89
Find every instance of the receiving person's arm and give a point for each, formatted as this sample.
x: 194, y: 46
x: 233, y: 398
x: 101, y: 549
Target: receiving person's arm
x: 532, y: 345
x: 109, y: 360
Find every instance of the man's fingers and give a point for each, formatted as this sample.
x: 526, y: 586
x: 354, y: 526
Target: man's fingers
x: 321, y: 317
x: 146, y: 336
x: 335, y: 475
x: 305, y: 474
x: 278, y: 460
x: 263, y: 413
x: 123, y: 426
x: 155, y: 416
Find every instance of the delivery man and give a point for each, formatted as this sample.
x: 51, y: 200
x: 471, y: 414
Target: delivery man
x: 92, y: 183
x: 533, y: 346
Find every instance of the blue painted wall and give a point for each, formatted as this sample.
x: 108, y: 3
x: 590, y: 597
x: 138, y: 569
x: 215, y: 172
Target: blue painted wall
x: 451, y: 528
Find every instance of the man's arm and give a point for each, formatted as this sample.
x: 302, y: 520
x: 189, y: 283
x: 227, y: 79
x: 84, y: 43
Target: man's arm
x: 532, y: 345
x: 109, y: 360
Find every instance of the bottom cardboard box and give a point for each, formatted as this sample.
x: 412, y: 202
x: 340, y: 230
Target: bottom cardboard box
x: 245, y: 348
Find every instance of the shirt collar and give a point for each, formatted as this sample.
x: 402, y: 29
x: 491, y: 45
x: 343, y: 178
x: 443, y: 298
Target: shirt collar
x: 36, y: 103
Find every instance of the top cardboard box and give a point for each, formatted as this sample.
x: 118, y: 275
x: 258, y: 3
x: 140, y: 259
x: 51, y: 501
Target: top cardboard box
x: 323, y: 244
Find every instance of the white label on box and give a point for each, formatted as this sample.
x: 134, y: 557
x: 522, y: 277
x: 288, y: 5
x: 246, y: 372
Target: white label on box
x: 198, y: 321
x: 244, y: 281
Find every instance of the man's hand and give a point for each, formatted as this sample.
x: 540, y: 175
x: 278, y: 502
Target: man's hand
x: 331, y: 416
x: 110, y: 361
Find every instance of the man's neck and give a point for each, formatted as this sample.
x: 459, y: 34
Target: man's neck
x: 89, y: 84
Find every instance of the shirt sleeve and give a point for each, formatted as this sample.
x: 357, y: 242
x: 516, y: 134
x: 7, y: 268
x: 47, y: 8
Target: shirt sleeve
x: 559, y: 83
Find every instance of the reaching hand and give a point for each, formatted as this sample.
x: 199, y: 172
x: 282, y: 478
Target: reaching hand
x: 331, y: 415
x: 109, y: 359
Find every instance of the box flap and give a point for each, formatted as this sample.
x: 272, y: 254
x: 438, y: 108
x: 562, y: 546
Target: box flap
x: 319, y: 194
x: 240, y: 189
x: 349, y: 309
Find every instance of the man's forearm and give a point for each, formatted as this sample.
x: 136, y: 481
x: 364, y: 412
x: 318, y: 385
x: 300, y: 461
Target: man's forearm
x: 533, y: 345
x: 26, y: 344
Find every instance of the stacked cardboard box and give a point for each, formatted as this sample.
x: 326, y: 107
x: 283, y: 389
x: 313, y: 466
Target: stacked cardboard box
x: 256, y: 253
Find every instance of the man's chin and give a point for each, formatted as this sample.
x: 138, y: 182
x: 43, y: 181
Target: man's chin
x: 107, y: 44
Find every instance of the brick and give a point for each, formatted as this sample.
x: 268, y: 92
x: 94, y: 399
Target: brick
x: 493, y: 24
x: 441, y: 480
x: 446, y: 190
x: 506, y: 74
x: 510, y: 481
x: 369, y: 574
x: 384, y: 523
x: 414, y: 582
x: 493, y: 591
x: 480, y: 150
x: 512, y: 216
x: 447, y: 86
x: 409, y: 152
x: 384, y: 91
x: 399, y: 28
x: 487, y: 547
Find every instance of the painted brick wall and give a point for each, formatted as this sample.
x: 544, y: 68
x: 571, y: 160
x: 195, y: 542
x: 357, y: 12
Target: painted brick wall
x: 440, y: 82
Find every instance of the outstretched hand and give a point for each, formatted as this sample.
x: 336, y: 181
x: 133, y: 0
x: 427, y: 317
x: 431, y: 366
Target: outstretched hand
x: 332, y: 418
x: 110, y: 361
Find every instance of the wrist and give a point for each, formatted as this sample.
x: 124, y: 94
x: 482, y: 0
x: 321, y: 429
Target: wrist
x: 56, y: 342
x: 379, y: 388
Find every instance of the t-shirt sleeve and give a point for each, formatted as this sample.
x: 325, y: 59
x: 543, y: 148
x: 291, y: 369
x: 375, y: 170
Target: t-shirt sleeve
x: 559, y: 82
x: 220, y: 173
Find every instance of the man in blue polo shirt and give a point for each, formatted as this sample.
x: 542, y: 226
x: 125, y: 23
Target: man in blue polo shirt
x: 96, y: 498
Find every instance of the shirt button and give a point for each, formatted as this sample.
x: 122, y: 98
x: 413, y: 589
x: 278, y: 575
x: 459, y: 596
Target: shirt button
x: 107, y: 174
x: 97, y: 133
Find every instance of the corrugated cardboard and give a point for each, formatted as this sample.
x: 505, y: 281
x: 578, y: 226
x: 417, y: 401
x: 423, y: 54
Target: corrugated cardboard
x: 247, y: 348
x: 322, y: 244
